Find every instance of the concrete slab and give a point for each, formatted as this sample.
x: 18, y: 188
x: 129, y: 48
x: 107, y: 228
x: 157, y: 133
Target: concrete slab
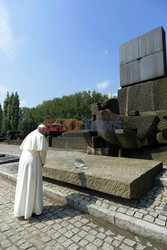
x: 143, y: 58
x: 130, y: 73
x: 6, y: 158
x: 152, y: 42
x: 129, y: 51
x: 152, y: 66
x: 123, y: 177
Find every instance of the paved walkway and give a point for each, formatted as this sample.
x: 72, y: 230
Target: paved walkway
x: 60, y: 227
x: 144, y: 216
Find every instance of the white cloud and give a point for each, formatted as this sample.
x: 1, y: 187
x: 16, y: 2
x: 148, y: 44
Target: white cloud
x: 22, y: 103
x: 105, y: 51
x: 103, y: 85
x: 9, y: 45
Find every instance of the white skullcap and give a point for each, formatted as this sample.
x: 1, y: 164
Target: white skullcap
x: 41, y: 126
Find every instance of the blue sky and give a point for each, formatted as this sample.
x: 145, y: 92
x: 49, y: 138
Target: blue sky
x: 51, y: 48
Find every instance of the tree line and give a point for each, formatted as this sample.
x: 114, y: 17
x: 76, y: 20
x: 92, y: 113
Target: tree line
x: 72, y: 107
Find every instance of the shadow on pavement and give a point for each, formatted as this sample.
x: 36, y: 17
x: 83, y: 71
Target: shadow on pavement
x: 54, y: 212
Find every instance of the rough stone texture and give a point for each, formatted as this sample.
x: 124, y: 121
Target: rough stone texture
x: 95, y: 107
x: 112, y: 105
x: 144, y: 97
x: 133, y: 113
x: 143, y: 58
x: 164, y: 133
x: 127, y: 138
x: 143, y: 125
x: 73, y: 133
x: 161, y: 114
x: 127, y: 178
x: 78, y: 143
x: 108, y: 151
x: 88, y: 137
x: 160, y: 138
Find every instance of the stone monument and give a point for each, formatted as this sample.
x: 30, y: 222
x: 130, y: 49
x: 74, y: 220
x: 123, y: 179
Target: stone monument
x: 141, y: 108
x: 137, y: 120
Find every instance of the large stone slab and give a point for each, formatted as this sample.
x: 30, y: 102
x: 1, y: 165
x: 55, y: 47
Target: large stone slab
x: 129, y: 51
x: 143, y: 58
x: 152, y: 66
x: 151, y: 42
x: 130, y: 73
x: 123, y: 177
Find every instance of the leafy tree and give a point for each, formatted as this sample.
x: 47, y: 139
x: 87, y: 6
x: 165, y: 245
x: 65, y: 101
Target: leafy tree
x: 27, y: 121
x: 10, y: 112
x: 15, y: 111
x: 5, y: 121
x: 75, y: 106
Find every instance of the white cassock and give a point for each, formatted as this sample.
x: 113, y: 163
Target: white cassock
x: 29, y: 189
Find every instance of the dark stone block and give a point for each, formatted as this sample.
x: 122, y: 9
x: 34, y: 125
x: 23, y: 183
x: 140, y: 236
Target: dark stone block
x: 152, y: 66
x: 150, y: 140
x: 164, y: 133
x: 112, y: 105
x: 161, y: 115
x: 152, y: 42
x: 127, y: 138
x: 143, y: 125
x: 143, y: 58
x: 161, y: 139
x: 156, y: 154
x: 88, y: 137
x: 98, y: 142
x: 129, y: 51
x: 130, y: 73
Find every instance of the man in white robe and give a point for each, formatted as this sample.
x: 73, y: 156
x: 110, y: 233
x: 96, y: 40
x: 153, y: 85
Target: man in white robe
x: 29, y: 189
